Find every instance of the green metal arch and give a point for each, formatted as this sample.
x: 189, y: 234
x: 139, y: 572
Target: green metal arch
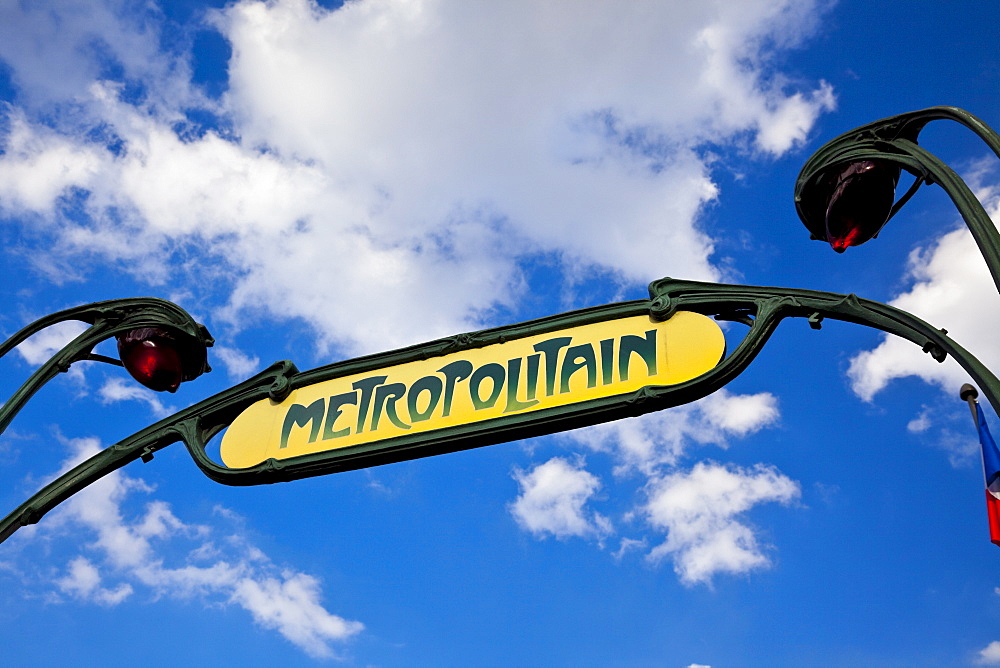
x: 762, y: 308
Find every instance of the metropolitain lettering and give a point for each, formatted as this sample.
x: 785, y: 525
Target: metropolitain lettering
x: 556, y: 366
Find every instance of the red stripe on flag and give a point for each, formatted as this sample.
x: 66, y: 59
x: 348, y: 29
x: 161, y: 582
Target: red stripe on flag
x: 993, y: 512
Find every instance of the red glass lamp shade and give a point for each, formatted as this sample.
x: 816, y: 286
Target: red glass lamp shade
x: 161, y: 359
x: 858, y: 198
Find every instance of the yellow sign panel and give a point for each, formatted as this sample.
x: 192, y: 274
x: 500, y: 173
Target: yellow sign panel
x: 524, y: 375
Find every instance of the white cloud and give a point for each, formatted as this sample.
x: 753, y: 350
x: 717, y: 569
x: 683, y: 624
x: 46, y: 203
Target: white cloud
x: 381, y: 150
x: 552, y: 500
x: 290, y: 605
x: 989, y: 655
x: 57, y: 48
x: 953, y: 289
x: 39, y: 166
x: 238, y: 364
x: 792, y: 119
x: 628, y: 545
x: 121, y: 389
x: 961, y: 448
x: 921, y: 423
x: 139, y: 553
x: 698, y: 510
x: 740, y: 414
x: 38, y: 349
x: 660, y: 439
x: 83, y: 582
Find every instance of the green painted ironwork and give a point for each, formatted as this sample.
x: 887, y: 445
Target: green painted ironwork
x: 760, y: 308
x: 106, y: 319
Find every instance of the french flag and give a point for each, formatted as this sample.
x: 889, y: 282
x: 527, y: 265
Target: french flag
x: 991, y: 467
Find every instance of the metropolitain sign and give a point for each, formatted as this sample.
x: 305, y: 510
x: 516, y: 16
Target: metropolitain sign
x: 540, y: 377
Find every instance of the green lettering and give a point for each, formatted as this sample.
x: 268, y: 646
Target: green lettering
x: 430, y: 384
x: 550, y: 349
x: 298, y: 416
x: 645, y: 347
x: 386, y: 397
x: 607, y: 361
x: 493, y: 371
x: 333, y: 412
x: 514, y: 378
x: 533, y: 375
x: 579, y: 357
x: 366, y: 385
x: 453, y: 372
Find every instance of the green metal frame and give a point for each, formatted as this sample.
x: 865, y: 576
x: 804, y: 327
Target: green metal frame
x: 106, y: 319
x: 762, y: 309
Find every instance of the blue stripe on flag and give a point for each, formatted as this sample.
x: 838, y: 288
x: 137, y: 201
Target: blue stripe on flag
x: 991, y: 455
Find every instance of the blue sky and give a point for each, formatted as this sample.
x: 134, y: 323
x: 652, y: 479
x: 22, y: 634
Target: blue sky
x: 315, y: 181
